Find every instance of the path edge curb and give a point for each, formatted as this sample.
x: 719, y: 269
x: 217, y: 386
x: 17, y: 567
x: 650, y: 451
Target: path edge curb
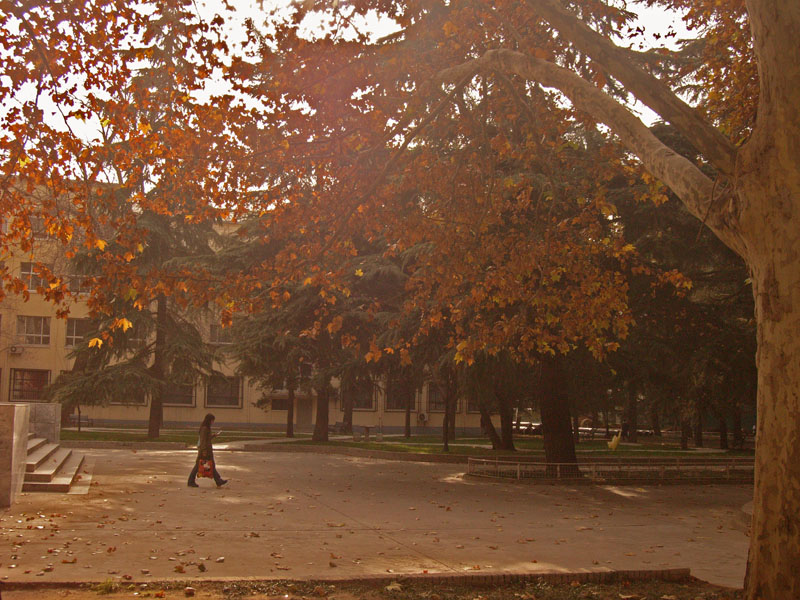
x: 488, y: 579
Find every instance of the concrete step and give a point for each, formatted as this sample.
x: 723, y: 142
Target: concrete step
x: 61, y: 482
x: 82, y: 482
x: 39, y: 456
x: 48, y: 469
x: 35, y: 443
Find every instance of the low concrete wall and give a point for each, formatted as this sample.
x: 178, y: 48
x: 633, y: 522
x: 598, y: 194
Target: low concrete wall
x: 45, y: 421
x: 13, y: 450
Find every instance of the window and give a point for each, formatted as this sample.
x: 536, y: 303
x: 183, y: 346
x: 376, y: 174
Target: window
x: 34, y: 331
x: 28, y: 384
x: 220, y: 335
x: 435, y: 399
x: 224, y: 391
x: 134, y: 397
x: 78, y: 284
x: 179, y: 395
x: 305, y: 370
x: 399, y: 394
x: 362, y: 394
x: 473, y: 406
x: 280, y: 403
x: 27, y: 273
x: 137, y: 337
x: 76, y: 331
x: 38, y: 227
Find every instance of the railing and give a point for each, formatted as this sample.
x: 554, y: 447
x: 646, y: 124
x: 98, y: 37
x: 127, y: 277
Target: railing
x: 631, y: 470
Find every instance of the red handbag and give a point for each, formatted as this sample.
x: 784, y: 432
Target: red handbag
x: 205, y: 468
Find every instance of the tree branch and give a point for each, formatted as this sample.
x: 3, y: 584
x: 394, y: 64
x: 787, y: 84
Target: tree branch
x: 647, y: 88
x: 680, y: 174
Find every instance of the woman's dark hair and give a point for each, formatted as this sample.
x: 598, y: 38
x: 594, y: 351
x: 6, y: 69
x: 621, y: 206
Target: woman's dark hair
x: 207, y: 421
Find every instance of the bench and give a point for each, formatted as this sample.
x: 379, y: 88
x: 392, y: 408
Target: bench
x: 80, y: 420
x: 338, y: 427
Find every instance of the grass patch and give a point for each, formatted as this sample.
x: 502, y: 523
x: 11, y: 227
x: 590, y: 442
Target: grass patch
x: 478, y: 447
x: 186, y: 437
x: 106, y: 587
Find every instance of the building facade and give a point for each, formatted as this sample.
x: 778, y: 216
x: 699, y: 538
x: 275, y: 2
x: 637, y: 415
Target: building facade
x: 35, y: 345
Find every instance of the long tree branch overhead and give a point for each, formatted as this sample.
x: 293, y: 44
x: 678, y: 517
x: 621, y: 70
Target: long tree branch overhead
x: 680, y: 174
x: 647, y: 88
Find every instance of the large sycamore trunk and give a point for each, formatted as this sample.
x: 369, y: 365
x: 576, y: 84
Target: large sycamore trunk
x: 768, y: 185
x: 773, y: 569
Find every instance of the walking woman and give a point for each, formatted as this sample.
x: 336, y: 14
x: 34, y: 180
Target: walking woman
x: 205, y: 451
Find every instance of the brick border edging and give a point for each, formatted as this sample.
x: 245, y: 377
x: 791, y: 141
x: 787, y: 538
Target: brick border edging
x: 487, y: 579
x: 361, y: 452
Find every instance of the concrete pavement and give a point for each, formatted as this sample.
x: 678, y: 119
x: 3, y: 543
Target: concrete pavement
x: 303, y: 515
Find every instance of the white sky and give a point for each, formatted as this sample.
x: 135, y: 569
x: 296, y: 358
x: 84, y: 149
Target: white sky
x: 655, y: 21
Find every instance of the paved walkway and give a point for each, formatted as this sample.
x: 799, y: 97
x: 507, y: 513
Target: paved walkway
x: 305, y: 515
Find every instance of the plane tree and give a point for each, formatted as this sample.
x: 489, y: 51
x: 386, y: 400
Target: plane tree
x: 744, y: 124
x: 355, y: 104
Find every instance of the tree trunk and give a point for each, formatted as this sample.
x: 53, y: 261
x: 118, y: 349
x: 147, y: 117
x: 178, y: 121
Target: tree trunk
x: 774, y: 560
x: 488, y: 427
x: 559, y: 446
x: 506, y: 423
x: 655, y: 423
x: 632, y: 412
x: 322, y: 421
x: 157, y: 369
x: 576, y: 429
x: 290, y: 414
x: 686, y: 432
x: 738, y: 433
x: 451, y: 409
x: 723, y: 431
x: 446, y: 425
x: 698, y: 427
x: 345, y: 393
x: 605, y: 420
x: 407, y: 424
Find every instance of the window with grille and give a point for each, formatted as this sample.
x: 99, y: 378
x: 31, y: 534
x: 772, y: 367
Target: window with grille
x: 362, y: 394
x: 27, y: 273
x: 27, y: 385
x: 178, y: 395
x: 400, y: 394
x: 76, y: 331
x: 224, y: 392
x: 34, y: 331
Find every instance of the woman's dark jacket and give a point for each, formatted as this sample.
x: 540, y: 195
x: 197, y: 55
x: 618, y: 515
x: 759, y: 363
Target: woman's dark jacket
x: 204, y: 449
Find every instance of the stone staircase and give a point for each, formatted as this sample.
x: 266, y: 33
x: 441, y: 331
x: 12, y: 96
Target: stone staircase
x: 51, y: 468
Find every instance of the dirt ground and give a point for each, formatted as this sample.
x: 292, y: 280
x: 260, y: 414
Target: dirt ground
x: 692, y: 589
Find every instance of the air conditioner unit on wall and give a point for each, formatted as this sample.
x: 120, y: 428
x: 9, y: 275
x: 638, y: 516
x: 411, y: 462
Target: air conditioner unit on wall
x: 15, y: 349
